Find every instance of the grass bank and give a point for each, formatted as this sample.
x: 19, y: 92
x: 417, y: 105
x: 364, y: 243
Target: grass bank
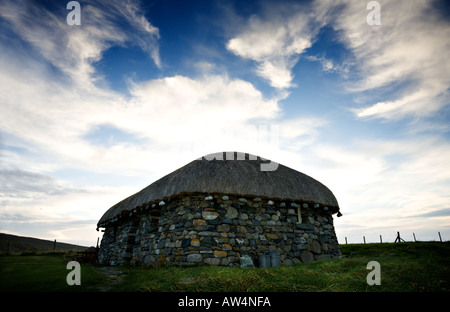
x: 405, y: 267
x: 31, y: 272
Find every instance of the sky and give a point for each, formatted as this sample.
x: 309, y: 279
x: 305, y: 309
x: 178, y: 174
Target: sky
x: 352, y: 94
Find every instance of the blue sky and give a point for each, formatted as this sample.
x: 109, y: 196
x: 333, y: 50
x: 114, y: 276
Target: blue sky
x: 92, y: 113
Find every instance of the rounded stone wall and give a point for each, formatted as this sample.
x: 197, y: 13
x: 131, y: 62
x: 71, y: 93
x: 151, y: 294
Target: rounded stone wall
x: 218, y: 229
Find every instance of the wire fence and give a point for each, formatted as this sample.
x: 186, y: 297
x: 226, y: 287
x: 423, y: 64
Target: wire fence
x: 398, y: 239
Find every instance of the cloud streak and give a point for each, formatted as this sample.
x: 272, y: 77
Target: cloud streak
x: 433, y: 214
x: 16, y: 183
x: 409, y: 49
x: 74, y: 49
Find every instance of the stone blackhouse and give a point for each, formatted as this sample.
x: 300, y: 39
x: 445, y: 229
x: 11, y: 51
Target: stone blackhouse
x: 222, y: 209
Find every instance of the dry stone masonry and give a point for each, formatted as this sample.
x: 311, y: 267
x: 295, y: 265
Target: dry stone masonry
x: 217, y: 229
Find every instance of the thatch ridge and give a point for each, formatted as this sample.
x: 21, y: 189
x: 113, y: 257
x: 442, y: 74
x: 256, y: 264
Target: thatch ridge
x: 232, y: 177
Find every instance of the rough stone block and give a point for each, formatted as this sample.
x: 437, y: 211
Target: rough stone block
x: 212, y: 261
x: 232, y: 213
x: 223, y: 228
x: 243, y: 216
x: 241, y: 230
x: 246, y: 261
x: 315, y: 247
x: 271, y: 235
x: 194, y: 258
x: 208, y: 233
x: 305, y: 227
x: 161, y: 244
x: 209, y: 241
x: 220, y: 253
x: 287, y: 262
x: 199, y: 222
x: 209, y: 215
x: 227, y: 247
x: 307, y: 256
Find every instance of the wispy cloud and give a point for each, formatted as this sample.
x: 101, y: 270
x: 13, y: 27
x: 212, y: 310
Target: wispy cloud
x: 16, y: 183
x: 433, y: 214
x: 328, y: 65
x: 274, y: 41
x: 74, y: 49
x: 409, y: 49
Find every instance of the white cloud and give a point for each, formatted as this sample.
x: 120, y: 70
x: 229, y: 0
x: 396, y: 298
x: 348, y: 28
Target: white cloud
x: 328, y: 65
x: 39, y: 205
x: 278, y: 72
x: 423, y: 102
x: 52, y: 116
x: 74, y: 49
x: 145, y: 34
x: 409, y: 49
x: 275, y: 41
x: 190, y: 111
x: 380, y: 183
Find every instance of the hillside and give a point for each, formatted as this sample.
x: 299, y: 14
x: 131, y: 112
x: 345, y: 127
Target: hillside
x: 20, y: 244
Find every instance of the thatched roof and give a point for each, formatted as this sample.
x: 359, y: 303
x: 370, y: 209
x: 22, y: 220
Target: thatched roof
x: 231, y: 177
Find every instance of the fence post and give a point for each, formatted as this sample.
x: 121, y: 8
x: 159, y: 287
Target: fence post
x: 440, y: 238
x: 346, y: 240
x: 399, y: 239
x: 381, y: 239
x: 364, y: 238
x: 414, y: 237
x: 54, y: 245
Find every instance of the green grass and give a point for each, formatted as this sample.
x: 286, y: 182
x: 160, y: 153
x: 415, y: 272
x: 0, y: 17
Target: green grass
x: 217, y: 279
x: 44, y: 272
x: 405, y: 267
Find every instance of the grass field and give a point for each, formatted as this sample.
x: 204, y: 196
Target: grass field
x: 44, y: 272
x: 405, y: 267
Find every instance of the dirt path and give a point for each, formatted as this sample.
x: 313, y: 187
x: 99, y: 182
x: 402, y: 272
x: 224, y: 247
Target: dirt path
x: 114, y: 275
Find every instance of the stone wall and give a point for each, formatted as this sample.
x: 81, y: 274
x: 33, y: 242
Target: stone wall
x: 218, y: 230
